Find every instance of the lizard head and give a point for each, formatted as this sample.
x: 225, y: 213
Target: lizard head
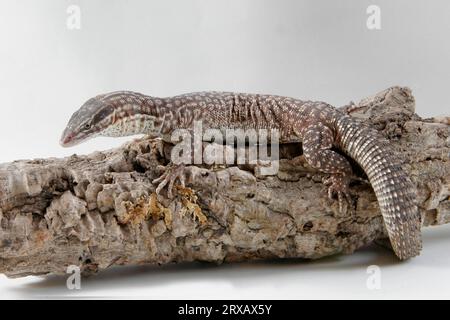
x: 81, y: 125
x: 114, y: 114
x: 88, y: 122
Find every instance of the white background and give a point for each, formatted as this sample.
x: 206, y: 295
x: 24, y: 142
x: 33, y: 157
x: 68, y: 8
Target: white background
x: 318, y: 50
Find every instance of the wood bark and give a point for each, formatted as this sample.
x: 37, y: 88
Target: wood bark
x: 100, y: 210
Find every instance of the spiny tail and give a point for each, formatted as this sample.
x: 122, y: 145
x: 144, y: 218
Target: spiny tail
x: 394, y: 190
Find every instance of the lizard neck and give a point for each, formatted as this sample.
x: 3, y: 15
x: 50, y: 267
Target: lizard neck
x: 135, y: 113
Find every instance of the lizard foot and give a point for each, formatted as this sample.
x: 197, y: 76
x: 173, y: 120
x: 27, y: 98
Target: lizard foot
x: 338, y: 185
x: 171, y: 174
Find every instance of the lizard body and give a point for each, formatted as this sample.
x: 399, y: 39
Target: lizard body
x: 319, y: 126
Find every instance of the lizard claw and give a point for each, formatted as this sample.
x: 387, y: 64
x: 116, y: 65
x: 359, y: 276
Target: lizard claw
x: 338, y: 185
x: 171, y: 174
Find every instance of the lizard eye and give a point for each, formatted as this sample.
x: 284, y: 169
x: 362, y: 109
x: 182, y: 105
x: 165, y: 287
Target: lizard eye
x: 87, y: 126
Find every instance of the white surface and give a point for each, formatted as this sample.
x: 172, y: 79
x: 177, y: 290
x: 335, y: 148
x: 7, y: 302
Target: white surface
x: 317, y: 50
x: 340, y: 277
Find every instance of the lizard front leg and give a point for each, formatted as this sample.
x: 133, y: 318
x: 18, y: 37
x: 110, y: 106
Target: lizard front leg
x: 176, y: 169
x: 172, y: 173
x: 317, y: 141
x: 169, y: 173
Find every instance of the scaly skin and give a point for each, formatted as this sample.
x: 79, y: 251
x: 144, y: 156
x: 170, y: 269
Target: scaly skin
x: 317, y: 125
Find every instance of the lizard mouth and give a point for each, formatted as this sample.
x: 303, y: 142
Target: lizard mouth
x: 68, y: 140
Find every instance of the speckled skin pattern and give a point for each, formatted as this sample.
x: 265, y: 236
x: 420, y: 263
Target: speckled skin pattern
x: 319, y: 127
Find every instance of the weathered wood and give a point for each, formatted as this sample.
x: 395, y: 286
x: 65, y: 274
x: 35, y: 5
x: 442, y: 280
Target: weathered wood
x: 99, y: 210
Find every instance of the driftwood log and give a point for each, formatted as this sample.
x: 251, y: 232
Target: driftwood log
x: 100, y: 210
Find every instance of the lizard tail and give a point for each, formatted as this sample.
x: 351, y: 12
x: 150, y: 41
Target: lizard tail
x: 394, y: 190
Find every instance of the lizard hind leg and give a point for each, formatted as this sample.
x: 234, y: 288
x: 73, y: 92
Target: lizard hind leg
x: 338, y: 185
x: 317, y: 143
